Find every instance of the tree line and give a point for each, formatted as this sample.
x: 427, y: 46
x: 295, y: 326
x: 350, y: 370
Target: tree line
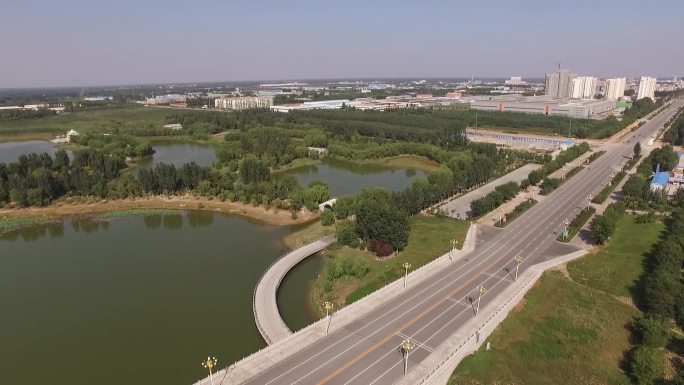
x: 660, y: 295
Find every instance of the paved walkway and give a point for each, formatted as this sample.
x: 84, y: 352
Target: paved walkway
x: 460, y: 207
x: 266, y: 314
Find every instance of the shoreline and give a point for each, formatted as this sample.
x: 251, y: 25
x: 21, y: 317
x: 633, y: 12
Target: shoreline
x: 70, y: 207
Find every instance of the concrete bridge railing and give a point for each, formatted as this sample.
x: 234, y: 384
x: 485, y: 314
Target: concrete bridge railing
x: 264, y: 300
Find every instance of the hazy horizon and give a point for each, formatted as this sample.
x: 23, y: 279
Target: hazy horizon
x: 75, y: 43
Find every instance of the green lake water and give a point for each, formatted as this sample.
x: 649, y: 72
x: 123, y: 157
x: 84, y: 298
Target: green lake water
x: 142, y: 300
x: 346, y: 178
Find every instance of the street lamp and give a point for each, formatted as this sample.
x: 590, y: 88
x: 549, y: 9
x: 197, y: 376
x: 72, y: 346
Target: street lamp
x: 481, y: 290
x: 209, y: 364
x: 328, y: 306
x: 518, y: 261
x: 565, y: 230
x: 406, y: 346
x: 588, y: 201
x: 406, y: 267
x: 454, y: 242
x: 500, y: 214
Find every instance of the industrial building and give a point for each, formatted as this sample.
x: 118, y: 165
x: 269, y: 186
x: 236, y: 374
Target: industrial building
x: 242, y: 103
x: 559, y: 84
x: 545, y: 105
x: 615, y: 88
x: 584, y: 87
x: 647, y: 86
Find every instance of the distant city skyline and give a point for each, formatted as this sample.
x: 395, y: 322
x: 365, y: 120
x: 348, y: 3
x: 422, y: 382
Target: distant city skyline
x: 79, y: 43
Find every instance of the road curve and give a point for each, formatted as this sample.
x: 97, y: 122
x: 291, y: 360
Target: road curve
x: 264, y: 304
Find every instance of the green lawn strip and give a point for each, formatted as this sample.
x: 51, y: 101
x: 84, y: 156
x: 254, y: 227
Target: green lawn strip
x: 430, y: 237
x: 517, y: 211
x: 577, y: 223
x: 632, y: 162
x: 137, y: 212
x: 605, y: 192
x: 12, y: 224
x: 616, y: 268
x: 594, y: 156
x: 549, y: 188
x: 566, y: 333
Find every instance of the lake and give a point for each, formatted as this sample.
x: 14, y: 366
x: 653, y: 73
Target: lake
x: 133, y: 300
x: 145, y: 299
x: 346, y: 178
x: 10, y: 151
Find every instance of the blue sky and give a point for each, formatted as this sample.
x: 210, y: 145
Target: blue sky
x: 75, y: 42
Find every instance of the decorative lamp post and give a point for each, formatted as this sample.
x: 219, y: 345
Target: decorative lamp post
x: 209, y: 364
x: 518, y: 261
x: 406, y: 267
x: 328, y: 306
x: 406, y: 346
x: 454, y: 242
x: 481, y: 290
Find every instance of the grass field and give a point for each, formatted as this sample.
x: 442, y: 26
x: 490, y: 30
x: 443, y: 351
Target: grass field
x: 429, y: 238
x: 570, y: 330
x: 616, y: 268
x: 566, y: 333
x: 404, y: 161
x: 87, y: 121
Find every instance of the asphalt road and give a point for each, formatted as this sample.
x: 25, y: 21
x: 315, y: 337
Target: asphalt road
x: 366, y: 352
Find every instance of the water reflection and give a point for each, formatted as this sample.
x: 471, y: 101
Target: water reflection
x: 200, y: 218
x: 152, y: 221
x: 173, y: 221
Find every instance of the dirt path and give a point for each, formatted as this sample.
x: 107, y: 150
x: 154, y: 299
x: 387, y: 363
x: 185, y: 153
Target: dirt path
x: 72, y: 207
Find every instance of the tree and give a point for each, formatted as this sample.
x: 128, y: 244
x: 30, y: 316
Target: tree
x: 378, y: 218
x: 665, y: 157
x: 602, y: 229
x: 646, y: 365
x: 252, y: 170
x: 345, y: 206
x: 653, y: 332
x: 637, y: 149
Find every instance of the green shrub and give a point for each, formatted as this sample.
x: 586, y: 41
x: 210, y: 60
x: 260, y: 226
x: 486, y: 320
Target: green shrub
x: 346, y: 233
x: 327, y: 218
x: 646, y: 365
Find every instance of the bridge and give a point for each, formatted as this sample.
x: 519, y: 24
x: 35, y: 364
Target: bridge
x: 327, y: 204
x: 441, y: 311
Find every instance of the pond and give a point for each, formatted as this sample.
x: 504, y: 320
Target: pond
x: 346, y: 177
x: 10, y: 151
x: 178, y: 154
x: 133, y: 300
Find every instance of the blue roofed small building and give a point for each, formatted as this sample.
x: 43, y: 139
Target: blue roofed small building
x: 660, y: 179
